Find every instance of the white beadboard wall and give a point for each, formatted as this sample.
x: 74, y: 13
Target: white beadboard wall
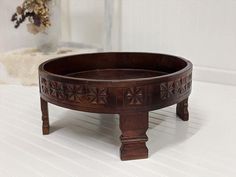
x: 203, y: 31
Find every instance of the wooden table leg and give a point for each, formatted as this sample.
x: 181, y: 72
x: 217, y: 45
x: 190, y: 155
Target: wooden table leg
x: 133, y: 138
x: 45, y: 119
x: 182, y: 110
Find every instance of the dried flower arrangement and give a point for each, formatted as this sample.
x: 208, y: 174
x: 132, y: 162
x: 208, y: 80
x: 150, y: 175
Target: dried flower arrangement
x: 37, y: 13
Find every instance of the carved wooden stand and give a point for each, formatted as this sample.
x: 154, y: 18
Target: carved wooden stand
x: 182, y: 110
x: 45, y: 119
x: 128, y: 84
x: 133, y: 127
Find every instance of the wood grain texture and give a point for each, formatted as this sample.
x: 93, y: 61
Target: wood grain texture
x: 45, y: 119
x: 133, y: 127
x: 182, y: 110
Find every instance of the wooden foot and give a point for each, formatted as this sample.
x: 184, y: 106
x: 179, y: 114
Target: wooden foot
x: 133, y: 138
x: 45, y: 119
x: 182, y: 110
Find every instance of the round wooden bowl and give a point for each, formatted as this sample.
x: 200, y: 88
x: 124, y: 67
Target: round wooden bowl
x: 129, y: 84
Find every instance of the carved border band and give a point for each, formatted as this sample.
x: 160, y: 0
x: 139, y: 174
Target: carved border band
x: 176, y: 87
x: 130, y: 96
x: 74, y: 93
x: 133, y: 96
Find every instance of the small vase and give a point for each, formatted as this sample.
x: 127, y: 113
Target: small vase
x: 47, y: 42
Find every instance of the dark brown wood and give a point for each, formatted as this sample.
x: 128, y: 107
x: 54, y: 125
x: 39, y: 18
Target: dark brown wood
x: 129, y: 84
x: 133, y: 127
x: 45, y: 119
x: 182, y: 110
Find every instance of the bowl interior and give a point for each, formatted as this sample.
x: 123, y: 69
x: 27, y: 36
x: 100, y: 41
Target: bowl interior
x: 115, y: 66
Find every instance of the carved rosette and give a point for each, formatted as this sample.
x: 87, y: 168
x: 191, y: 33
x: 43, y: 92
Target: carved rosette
x: 134, y: 96
x: 74, y: 93
x: 176, y: 88
x: 97, y: 95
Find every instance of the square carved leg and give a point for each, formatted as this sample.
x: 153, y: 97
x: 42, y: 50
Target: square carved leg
x: 182, y: 110
x: 133, y: 138
x: 45, y: 119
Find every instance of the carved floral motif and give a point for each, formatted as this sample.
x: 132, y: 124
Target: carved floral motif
x: 74, y: 93
x: 97, y: 95
x: 135, y: 96
x: 176, y: 87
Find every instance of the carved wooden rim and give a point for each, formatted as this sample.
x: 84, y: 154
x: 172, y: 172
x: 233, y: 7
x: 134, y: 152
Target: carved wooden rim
x: 114, y: 97
x: 44, y: 72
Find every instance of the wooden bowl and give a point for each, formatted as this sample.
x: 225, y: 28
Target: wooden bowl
x: 129, y: 84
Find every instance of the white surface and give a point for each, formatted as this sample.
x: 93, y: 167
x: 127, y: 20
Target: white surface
x: 83, y: 144
x: 21, y: 66
x: 200, y: 30
x: 209, y: 74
